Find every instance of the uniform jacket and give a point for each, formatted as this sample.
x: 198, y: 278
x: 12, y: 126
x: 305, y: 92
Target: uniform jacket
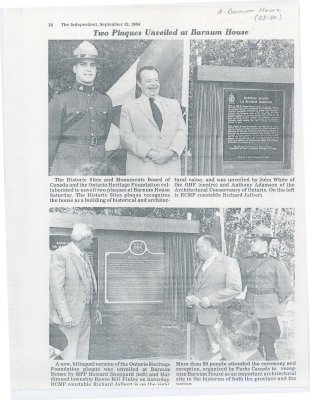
x: 139, y: 134
x: 220, y: 283
x: 68, y: 285
x: 270, y: 274
x: 77, y: 113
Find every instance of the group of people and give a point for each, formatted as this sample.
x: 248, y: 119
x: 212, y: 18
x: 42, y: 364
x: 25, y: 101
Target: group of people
x: 247, y: 328
x: 239, y: 329
x: 152, y: 128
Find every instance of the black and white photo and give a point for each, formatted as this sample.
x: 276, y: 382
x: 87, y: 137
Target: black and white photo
x: 160, y: 280
x: 101, y: 118
x: 241, y: 107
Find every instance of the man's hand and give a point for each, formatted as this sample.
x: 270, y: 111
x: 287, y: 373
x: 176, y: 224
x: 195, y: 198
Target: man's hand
x: 98, y: 317
x: 189, y: 302
x: 192, y: 301
x: 163, y: 157
x: 68, y: 322
x: 205, y: 302
x: 153, y: 154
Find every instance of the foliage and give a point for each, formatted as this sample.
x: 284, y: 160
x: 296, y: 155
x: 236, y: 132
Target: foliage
x: 239, y: 224
x: 244, y: 53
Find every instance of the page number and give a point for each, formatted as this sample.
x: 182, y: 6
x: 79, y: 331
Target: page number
x: 50, y: 24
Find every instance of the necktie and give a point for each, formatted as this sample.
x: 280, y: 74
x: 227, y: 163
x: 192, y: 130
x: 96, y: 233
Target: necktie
x: 156, y: 113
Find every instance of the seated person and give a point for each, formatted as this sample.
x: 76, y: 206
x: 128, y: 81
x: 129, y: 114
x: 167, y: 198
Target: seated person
x: 238, y: 332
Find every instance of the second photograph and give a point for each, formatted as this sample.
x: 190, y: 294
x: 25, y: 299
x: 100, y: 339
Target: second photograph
x: 172, y: 283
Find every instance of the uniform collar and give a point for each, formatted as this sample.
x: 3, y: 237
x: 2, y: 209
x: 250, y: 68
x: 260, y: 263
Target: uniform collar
x: 84, y: 88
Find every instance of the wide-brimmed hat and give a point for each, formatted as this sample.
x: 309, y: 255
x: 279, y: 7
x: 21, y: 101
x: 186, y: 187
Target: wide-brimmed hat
x: 262, y: 231
x: 84, y: 51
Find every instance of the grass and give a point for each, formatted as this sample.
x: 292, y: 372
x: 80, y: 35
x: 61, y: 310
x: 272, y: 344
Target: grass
x: 130, y: 335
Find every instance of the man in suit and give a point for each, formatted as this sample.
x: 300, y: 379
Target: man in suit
x: 73, y: 289
x: 216, y: 280
x: 268, y: 285
x: 152, y: 129
x: 79, y: 118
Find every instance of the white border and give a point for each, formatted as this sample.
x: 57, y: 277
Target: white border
x: 5, y: 372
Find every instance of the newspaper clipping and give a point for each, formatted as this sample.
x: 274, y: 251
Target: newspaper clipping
x: 161, y: 171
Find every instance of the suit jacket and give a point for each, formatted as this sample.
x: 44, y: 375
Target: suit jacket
x: 220, y: 282
x: 139, y: 134
x: 68, y: 285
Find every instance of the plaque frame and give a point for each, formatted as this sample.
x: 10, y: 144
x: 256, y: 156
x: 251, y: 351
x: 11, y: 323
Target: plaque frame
x: 131, y: 250
x: 232, y: 162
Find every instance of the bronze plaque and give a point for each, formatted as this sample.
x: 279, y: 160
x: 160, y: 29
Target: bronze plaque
x: 135, y: 275
x: 253, y: 125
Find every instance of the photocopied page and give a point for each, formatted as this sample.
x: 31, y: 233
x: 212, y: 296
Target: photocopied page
x: 155, y: 207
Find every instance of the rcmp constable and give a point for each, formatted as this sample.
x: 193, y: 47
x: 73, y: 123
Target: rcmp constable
x: 268, y: 285
x: 79, y: 117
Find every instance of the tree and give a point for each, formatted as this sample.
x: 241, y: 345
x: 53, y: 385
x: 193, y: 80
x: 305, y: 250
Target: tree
x: 239, y: 224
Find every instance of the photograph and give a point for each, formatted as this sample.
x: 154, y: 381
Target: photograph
x: 116, y: 107
x: 172, y: 283
x: 241, y: 107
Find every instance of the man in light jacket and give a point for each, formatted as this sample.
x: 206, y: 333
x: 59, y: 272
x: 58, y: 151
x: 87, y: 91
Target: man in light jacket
x: 152, y: 129
x: 73, y: 290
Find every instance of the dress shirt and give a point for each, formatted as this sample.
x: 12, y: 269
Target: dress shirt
x: 156, y: 101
